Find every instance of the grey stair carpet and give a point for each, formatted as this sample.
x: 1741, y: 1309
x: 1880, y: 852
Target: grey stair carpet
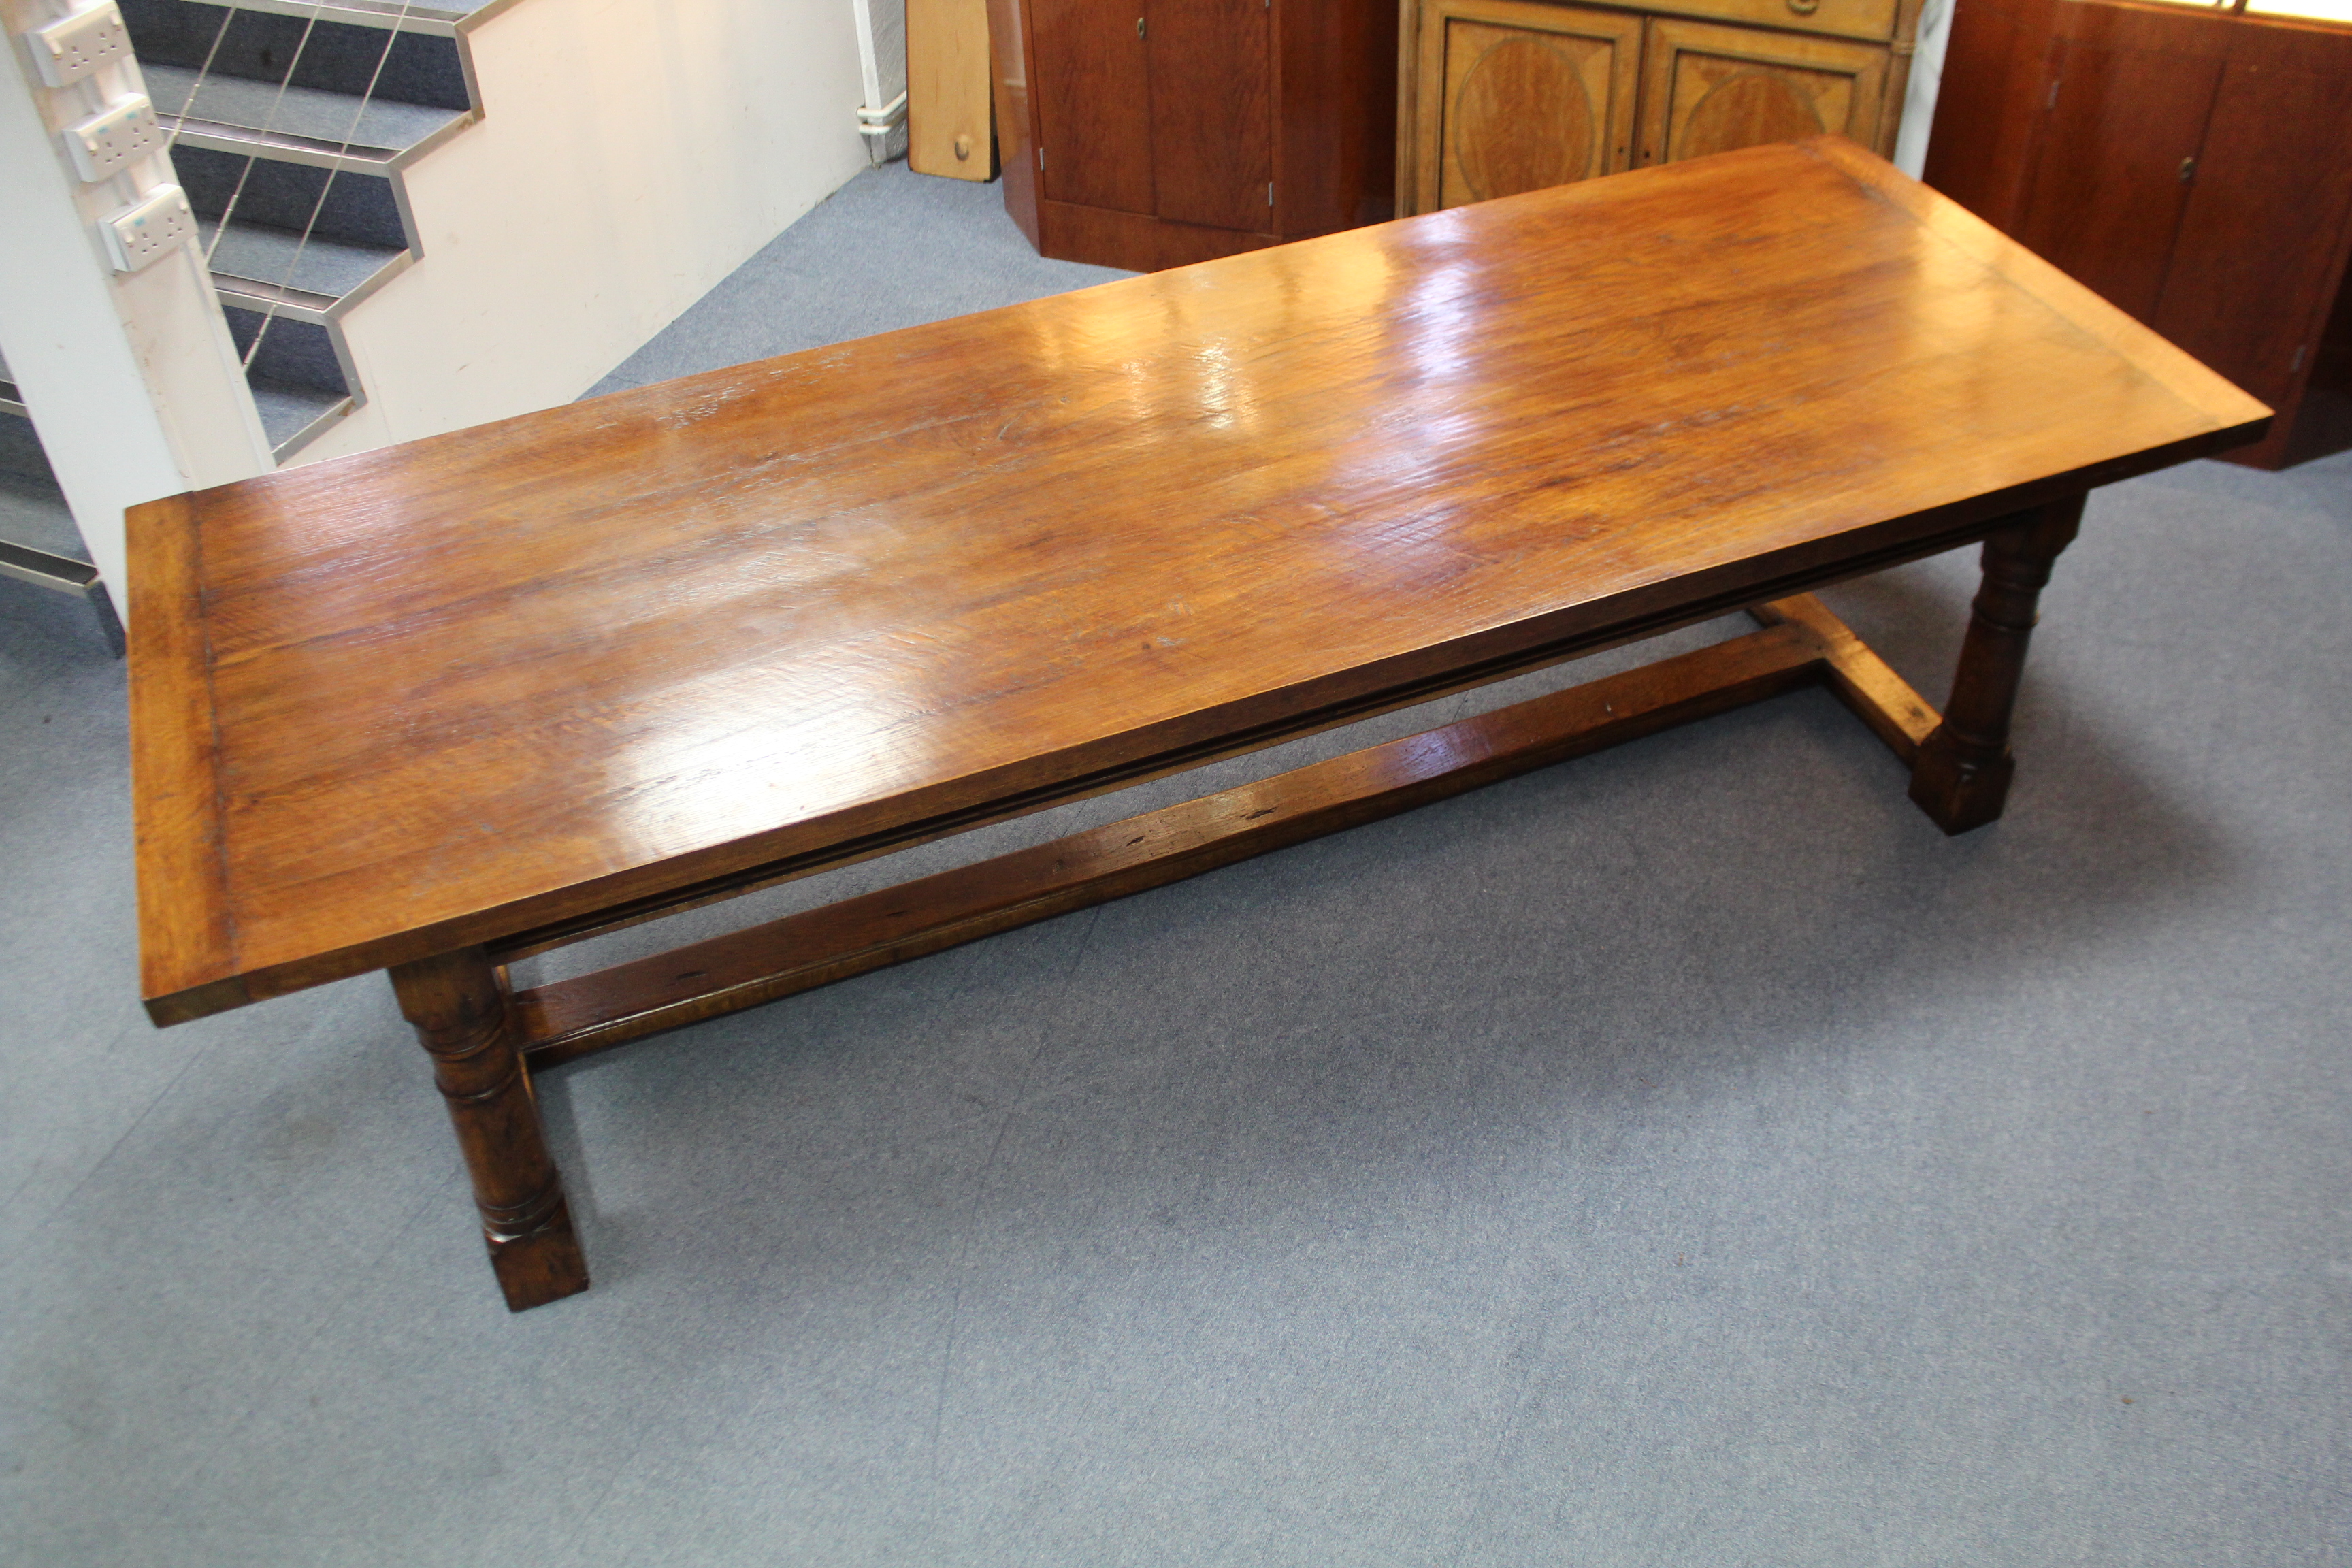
x: 326, y: 55
x: 1678, y: 1158
x: 33, y: 510
x: 327, y: 117
x: 289, y: 409
x: 283, y: 259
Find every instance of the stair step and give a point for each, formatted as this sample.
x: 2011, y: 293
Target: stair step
x: 299, y: 353
x: 33, y: 510
x: 338, y: 204
x: 293, y: 415
x: 329, y: 56
x: 261, y: 263
x: 291, y: 124
x: 298, y: 379
x: 20, y: 449
x: 299, y: 124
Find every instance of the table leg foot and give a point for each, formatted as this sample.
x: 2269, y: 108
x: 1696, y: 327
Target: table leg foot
x: 462, y: 1016
x: 1961, y: 776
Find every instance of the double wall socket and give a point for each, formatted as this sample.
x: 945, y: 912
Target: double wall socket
x: 72, y: 47
x: 155, y: 224
x: 114, y: 137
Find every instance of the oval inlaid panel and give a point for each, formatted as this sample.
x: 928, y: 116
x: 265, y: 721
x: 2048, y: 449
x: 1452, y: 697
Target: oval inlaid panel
x: 1522, y: 121
x: 1745, y: 110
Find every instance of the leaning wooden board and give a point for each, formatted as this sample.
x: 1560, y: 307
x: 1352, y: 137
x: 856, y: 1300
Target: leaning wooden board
x: 949, y: 125
x: 433, y: 707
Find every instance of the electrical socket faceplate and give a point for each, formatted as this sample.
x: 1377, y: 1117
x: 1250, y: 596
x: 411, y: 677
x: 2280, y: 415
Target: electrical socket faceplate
x: 147, y: 228
x: 114, y: 137
x: 72, y: 47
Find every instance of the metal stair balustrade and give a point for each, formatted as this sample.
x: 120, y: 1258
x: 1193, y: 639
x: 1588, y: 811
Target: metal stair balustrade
x: 295, y: 123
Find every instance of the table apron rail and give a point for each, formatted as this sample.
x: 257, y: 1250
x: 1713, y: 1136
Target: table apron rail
x: 1686, y: 611
x: 1802, y: 643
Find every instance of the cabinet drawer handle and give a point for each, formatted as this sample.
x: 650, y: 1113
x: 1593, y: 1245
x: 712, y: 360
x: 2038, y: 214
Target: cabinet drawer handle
x: 1804, y: 7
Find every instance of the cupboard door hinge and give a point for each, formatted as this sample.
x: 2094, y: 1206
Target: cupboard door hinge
x: 1269, y: 193
x: 2299, y: 349
x: 1040, y: 160
x: 1139, y: 27
x: 2052, y: 101
x: 2187, y: 170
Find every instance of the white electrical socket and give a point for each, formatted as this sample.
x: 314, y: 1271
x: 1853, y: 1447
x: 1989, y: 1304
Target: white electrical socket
x: 72, y: 47
x: 114, y: 137
x: 148, y: 227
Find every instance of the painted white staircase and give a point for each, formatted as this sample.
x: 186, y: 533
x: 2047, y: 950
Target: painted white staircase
x: 296, y: 123
x: 447, y: 213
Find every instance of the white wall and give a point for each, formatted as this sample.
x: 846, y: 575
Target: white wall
x: 1919, y: 97
x: 631, y: 154
x: 882, y: 53
x: 132, y: 379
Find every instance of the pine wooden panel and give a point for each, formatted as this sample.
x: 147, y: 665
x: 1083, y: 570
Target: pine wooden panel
x: 948, y: 112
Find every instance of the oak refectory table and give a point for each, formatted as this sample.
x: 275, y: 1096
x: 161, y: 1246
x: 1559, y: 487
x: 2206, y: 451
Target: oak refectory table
x: 434, y: 708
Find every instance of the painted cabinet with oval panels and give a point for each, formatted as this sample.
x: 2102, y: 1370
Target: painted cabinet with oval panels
x: 1502, y: 95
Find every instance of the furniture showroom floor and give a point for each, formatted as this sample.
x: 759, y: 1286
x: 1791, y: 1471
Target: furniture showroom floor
x: 1685, y: 1155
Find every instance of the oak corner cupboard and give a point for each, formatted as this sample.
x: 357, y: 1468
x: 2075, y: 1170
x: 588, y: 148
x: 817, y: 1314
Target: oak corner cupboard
x: 1153, y: 134
x: 1496, y: 97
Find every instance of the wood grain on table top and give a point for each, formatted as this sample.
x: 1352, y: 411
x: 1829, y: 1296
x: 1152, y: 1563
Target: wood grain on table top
x: 442, y: 691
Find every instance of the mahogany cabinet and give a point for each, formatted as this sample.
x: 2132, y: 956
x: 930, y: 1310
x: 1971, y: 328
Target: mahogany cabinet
x: 1496, y: 97
x: 2193, y: 167
x: 1149, y: 133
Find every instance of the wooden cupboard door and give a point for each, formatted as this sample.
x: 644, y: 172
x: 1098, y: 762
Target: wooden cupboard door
x: 1516, y: 97
x: 1093, y: 95
x: 2255, y: 267
x: 2105, y: 196
x: 1707, y: 89
x: 1211, y: 111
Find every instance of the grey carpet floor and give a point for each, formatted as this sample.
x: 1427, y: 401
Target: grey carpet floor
x: 1682, y: 1156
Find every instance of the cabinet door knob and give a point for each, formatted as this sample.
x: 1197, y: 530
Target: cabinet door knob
x: 1804, y: 7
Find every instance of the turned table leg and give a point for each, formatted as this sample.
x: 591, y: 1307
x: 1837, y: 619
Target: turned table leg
x: 1962, y: 773
x: 458, y: 1003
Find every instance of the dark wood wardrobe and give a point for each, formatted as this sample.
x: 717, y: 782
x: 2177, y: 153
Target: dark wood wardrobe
x: 1150, y: 133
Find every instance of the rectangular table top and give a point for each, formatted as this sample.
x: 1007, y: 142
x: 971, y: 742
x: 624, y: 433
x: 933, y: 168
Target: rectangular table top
x: 446, y: 691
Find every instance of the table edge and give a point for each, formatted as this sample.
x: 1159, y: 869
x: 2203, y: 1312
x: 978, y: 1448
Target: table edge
x: 184, y: 923
x: 1263, y: 720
